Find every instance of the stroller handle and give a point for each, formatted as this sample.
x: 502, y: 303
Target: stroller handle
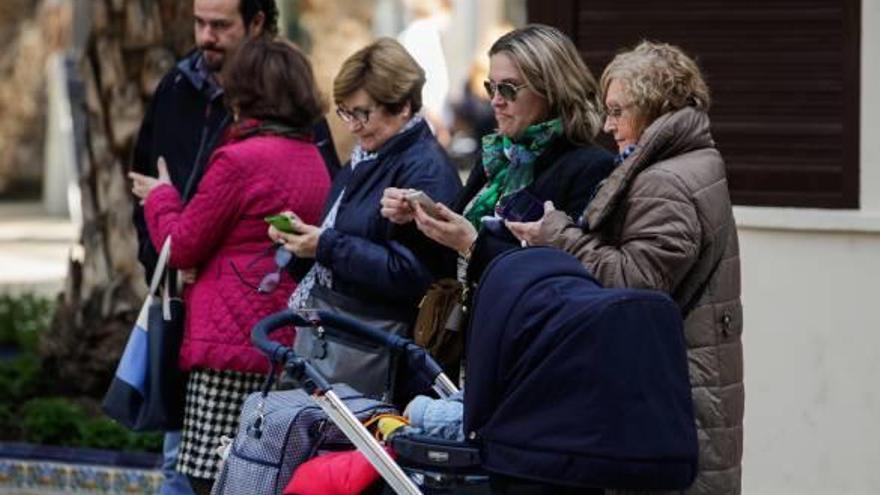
x: 260, y: 333
x: 418, y: 359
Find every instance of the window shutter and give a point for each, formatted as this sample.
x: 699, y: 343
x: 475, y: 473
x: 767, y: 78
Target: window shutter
x: 784, y: 76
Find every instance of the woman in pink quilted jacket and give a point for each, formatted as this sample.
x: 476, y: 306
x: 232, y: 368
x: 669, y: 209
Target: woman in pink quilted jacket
x: 265, y: 163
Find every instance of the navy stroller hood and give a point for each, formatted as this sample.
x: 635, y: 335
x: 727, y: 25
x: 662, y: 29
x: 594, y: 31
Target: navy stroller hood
x: 568, y: 382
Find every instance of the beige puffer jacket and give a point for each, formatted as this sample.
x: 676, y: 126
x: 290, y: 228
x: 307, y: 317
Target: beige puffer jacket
x: 663, y: 220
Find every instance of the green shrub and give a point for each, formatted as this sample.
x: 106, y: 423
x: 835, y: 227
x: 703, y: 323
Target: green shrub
x: 52, y: 421
x: 22, y: 378
x: 24, y: 416
x: 7, y: 324
x: 60, y: 421
x: 8, y: 425
x: 103, y: 433
x: 145, y: 442
x: 23, y: 319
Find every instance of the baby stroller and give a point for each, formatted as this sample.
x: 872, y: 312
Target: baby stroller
x: 569, y: 383
x: 424, y: 464
x: 570, y: 387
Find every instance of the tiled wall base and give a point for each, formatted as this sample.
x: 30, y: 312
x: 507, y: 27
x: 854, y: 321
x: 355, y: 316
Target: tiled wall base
x: 28, y: 477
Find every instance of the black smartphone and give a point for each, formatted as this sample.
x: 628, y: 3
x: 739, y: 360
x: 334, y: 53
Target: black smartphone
x: 521, y: 206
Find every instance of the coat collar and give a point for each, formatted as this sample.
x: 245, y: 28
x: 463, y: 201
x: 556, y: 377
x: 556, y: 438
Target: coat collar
x: 403, y: 140
x: 670, y: 135
x: 193, y: 68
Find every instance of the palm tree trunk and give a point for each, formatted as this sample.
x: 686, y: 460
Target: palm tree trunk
x: 131, y: 44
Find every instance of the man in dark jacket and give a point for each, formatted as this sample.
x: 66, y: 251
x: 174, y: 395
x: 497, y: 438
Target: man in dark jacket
x: 184, y: 122
x: 186, y: 116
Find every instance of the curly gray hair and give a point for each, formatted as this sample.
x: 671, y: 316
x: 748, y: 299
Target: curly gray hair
x: 657, y: 78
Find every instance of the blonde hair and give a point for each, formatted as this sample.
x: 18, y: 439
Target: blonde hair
x: 387, y: 72
x: 657, y: 78
x: 552, y: 67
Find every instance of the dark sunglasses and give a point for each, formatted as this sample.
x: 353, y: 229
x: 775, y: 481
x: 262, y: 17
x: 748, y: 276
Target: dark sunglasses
x: 507, y: 90
x: 270, y: 281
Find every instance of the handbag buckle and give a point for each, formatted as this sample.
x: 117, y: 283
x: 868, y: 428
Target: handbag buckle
x: 319, y: 349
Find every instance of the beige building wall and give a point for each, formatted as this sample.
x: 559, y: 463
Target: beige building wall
x: 811, y: 296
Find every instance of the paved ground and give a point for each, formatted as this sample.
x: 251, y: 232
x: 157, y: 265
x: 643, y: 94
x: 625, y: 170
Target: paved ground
x: 34, y: 248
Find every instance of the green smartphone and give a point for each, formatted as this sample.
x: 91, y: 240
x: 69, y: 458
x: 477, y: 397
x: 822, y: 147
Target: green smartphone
x: 280, y: 222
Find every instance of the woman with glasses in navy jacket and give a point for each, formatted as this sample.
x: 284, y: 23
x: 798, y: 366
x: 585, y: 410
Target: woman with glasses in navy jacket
x: 366, y: 265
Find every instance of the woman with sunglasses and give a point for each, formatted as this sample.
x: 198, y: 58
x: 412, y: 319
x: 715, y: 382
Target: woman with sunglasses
x: 265, y: 163
x: 546, y: 104
x: 366, y: 266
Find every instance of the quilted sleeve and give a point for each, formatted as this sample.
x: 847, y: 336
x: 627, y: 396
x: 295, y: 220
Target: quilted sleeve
x: 197, y: 228
x: 657, y: 244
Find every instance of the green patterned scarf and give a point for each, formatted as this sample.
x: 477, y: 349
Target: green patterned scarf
x: 509, y: 166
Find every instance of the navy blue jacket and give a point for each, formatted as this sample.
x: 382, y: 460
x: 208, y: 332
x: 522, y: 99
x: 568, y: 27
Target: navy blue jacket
x: 372, y: 258
x: 183, y: 122
x: 572, y: 383
x: 565, y: 173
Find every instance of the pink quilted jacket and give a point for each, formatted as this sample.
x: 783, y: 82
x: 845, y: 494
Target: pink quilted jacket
x: 223, y: 226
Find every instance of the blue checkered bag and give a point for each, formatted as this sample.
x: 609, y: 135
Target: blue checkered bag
x: 278, y: 432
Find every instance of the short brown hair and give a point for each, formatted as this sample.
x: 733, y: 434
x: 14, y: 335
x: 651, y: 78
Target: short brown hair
x: 387, y: 72
x: 272, y: 79
x: 657, y: 78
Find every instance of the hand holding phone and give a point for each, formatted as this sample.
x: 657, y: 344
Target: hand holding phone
x: 424, y: 201
x: 282, y: 222
x: 521, y: 206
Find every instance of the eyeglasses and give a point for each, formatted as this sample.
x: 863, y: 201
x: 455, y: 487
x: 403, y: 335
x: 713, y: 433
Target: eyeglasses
x: 507, y: 90
x: 270, y: 281
x: 616, y: 112
x: 355, y: 115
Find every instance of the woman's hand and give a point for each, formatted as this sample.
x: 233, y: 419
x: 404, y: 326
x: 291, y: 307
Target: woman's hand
x: 142, y: 185
x: 188, y: 276
x: 448, y: 228
x: 303, y: 242
x: 529, y: 233
x: 395, y: 207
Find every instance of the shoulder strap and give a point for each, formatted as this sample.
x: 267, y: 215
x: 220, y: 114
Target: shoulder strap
x: 169, y: 288
x: 159, y: 271
x: 209, y: 142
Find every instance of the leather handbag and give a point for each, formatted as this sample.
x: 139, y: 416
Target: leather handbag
x: 148, y: 390
x: 367, y: 367
x: 439, y: 324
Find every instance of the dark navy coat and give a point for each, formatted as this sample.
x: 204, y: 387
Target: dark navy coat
x: 373, y: 259
x: 571, y: 383
x: 566, y: 173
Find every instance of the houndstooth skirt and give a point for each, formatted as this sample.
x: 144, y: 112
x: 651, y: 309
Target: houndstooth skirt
x: 213, y: 404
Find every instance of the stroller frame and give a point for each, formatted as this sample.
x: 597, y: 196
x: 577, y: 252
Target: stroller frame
x: 319, y: 388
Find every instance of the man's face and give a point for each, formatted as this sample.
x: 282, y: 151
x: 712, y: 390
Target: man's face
x: 219, y: 29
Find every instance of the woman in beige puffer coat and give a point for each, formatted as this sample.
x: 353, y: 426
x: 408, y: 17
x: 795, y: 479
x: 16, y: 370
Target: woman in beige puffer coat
x: 663, y: 220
